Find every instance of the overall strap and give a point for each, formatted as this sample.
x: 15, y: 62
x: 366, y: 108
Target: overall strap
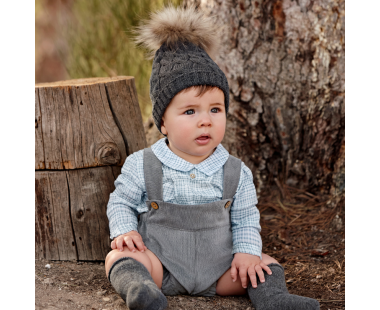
x: 152, y: 175
x: 231, y: 176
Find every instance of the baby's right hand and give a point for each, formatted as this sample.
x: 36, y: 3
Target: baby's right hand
x: 130, y: 239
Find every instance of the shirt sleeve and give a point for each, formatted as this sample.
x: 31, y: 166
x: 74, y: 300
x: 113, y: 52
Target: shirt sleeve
x: 245, y: 217
x: 128, y: 198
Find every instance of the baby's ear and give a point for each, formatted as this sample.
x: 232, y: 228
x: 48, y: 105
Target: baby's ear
x: 163, y: 128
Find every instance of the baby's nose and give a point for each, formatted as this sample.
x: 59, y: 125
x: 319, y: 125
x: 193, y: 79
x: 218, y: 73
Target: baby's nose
x: 205, y: 120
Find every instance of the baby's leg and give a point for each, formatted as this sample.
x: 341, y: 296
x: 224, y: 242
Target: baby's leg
x: 147, y: 258
x: 137, y: 277
x: 225, y: 286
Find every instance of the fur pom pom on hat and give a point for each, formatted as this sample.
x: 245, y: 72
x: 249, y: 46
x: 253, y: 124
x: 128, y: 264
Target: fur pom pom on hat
x: 182, y: 42
x: 173, y: 25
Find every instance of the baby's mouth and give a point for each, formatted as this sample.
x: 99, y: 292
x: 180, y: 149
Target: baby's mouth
x: 203, y: 139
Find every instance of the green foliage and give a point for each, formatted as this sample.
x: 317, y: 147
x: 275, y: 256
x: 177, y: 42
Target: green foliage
x: 100, y: 42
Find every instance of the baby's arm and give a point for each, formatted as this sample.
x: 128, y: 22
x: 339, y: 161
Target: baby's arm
x: 245, y: 221
x: 125, y: 203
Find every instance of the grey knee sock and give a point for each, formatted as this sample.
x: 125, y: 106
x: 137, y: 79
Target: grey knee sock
x: 273, y: 294
x: 135, y: 285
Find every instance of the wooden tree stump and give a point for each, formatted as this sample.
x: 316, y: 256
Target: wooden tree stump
x: 84, y: 130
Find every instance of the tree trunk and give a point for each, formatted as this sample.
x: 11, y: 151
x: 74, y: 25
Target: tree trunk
x: 87, y: 123
x: 284, y: 61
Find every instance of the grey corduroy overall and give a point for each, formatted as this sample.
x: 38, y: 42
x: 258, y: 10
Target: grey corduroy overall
x: 193, y: 242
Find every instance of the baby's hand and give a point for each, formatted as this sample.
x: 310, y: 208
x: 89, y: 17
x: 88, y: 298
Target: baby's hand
x: 130, y: 239
x: 251, y: 264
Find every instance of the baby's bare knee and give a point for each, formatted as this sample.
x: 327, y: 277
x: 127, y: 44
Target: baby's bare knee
x: 266, y: 259
x: 115, y: 255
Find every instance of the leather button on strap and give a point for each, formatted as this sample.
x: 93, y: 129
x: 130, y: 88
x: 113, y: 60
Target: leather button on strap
x: 154, y: 205
x: 227, y: 204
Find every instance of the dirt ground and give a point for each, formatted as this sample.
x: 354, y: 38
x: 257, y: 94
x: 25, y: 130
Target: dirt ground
x: 304, y: 235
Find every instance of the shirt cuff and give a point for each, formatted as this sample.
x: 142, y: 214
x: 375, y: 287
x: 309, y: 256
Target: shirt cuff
x: 123, y: 230
x: 248, y: 248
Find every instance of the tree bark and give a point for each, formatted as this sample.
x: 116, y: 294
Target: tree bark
x: 284, y: 61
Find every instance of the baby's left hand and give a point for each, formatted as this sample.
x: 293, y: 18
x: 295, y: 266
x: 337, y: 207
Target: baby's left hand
x: 251, y: 264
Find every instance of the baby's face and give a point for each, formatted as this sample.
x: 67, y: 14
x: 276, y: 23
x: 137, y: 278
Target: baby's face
x: 195, y: 125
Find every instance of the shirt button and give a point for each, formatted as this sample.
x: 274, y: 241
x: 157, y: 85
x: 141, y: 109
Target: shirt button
x: 192, y: 175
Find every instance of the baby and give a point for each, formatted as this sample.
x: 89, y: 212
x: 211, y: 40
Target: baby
x: 183, y: 216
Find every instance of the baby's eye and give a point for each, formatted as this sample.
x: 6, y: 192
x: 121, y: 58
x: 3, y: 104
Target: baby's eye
x: 215, y: 110
x: 189, y: 112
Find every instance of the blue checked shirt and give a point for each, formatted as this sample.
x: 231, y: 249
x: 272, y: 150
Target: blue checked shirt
x: 128, y: 199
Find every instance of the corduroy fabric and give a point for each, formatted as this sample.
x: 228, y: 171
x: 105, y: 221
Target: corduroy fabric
x: 175, y: 69
x: 194, y: 243
x: 171, y: 287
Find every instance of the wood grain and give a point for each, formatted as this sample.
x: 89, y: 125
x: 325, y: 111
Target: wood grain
x: 39, y: 144
x: 45, y: 246
x: 75, y: 127
x: 127, y: 116
x: 116, y: 170
x: 54, y: 235
x: 50, y: 119
x: 85, y: 128
x: 89, y: 195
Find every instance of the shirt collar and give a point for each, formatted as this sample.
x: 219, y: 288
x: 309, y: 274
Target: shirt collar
x: 209, y: 166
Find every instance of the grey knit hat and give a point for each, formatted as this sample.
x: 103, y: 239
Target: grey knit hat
x: 182, y: 41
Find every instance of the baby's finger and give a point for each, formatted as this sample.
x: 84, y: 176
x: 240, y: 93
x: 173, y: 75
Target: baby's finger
x: 119, y: 244
x: 260, y: 273
x: 243, y: 276
x: 129, y: 243
x: 252, y: 276
x: 113, y: 246
x: 233, y: 273
x: 139, y: 244
x: 266, y: 268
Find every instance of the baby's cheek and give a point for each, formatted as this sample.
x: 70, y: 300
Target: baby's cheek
x: 183, y: 132
x: 220, y: 131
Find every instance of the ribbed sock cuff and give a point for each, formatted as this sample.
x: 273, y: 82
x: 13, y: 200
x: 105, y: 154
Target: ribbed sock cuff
x: 118, y: 262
